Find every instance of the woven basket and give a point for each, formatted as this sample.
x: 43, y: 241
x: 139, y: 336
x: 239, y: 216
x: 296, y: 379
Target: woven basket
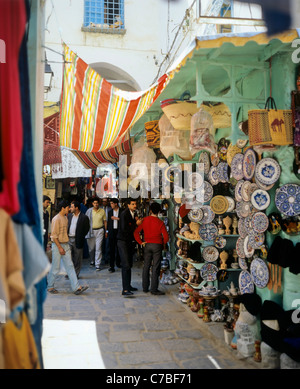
x: 179, y: 112
x: 220, y: 113
x: 152, y: 134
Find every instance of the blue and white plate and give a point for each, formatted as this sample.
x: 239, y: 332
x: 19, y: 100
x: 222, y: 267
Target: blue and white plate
x: 256, y: 239
x: 205, y: 193
x: 213, y: 176
x: 243, y: 264
x: 249, y: 164
x: 237, y: 166
x: 209, y: 272
x: 267, y: 171
x: 246, y: 284
x: 220, y: 242
x: 222, y: 170
x: 287, y: 199
x: 248, y: 248
x: 259, y: 273
x: 260, y: 199
x: 208, y: 231
x: 208, y: 214
x: 238, y: 190
x: 260, y: 222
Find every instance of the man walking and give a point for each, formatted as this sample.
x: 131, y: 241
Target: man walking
x: 46, y: 203
x: 155, y: 237
x: 105, y: 244
x: 61, y: 251
x: 111, y: 234
x: 98, y: 226
x: 126, y: 244
x: 78, y: 227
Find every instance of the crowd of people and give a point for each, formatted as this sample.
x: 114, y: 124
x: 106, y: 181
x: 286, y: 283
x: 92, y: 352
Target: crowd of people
x: 111, y: 233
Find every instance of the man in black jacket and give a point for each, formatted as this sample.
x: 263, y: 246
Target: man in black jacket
x: 78, y: 227
x: 126, y: 244
x: 113, y: 219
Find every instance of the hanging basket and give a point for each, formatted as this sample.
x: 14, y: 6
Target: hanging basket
x: 152, y: 134
x: 220, y: 113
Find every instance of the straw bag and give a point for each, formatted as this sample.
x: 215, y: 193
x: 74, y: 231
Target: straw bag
x: 270, y: 125
x: 152, y: 134
x: 220, y: 113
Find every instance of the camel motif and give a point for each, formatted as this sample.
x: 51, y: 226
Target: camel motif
x: 277, y: 123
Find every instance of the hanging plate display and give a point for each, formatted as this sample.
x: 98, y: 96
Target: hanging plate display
x: 243, y: 264
x: 243, y: 232
x: 240, y: 247
x: 231, y: 204
x: 238, y: 190
x: 219, y: 204
x: 287, y: 199
x: 256, y: 239
x: 222, y: 170
x: 209, y: 272
x: 195, y: 215
x: 213, y: 176
x: 208, y: 231
x: 249, y: 164
x: 263, y: 186
x: 248, y: 249
x: 237, y: 166
x: 267, y: 171
x: 205, y: 193
x: 208, y: 214
x: 260, y: 222
x: 195, y: 180
x: 205, y: 160
x: 260, y: 199
x: 210, y: 254
x: 220, y: 242
x: 259, y: 272
x: 243, y: 208
x: 245, y: 190
x: 245, y: 282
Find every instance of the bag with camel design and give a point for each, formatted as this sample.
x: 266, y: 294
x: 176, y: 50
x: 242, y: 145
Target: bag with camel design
x: 270, y: 125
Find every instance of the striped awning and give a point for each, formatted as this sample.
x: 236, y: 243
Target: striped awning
x: 94, y: 113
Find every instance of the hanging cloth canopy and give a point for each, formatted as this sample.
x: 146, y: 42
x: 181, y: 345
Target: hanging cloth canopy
x: 94, y: 114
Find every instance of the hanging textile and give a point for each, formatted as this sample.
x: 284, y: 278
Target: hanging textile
x: 93, y: 160
x: 94, y: 114
x: 52, y: 153
x: 70, y: 167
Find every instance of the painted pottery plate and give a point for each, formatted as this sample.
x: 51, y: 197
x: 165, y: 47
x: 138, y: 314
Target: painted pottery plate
x: 267, y: 171
x: 246, y: 284
x: 205, y: 193
x: 241, y: 143
x: 238, y: 190
x: 213, y: 176
x: 210, y: 254
x: 260, y: 199
x: 222, y: 170
x: 220, y: 242
x: 248, y: 249
x: 245, y: 190
x: 256, y: 239
x: 219, y: 204
x: 243, y: 232
x: 249, y: 164
x: 259, y: 272
x: 260, y: 222
x: 243, y: 208
x: 209, y: 272
x: 240, y: 247
x: 208, y: 214
x: 231, y: 204
x: 215, y: 159
x: 237, y: 166
x: 195, y: 180
x: 287, y: 199
x: 205, y: 159
x: 195, y: 215
x: 208, y: 231
x: 243, y: 264
x: 263, y: 186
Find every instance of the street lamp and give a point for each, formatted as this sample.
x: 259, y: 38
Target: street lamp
x: 48, y: 75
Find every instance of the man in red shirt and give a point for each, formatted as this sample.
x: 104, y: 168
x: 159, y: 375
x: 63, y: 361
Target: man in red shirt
x: 155, y: 237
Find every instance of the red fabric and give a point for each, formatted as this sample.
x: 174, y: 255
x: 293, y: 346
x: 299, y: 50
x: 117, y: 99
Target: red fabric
x: 154, y: 231
x: 12, y: 28
x: 52, y: 152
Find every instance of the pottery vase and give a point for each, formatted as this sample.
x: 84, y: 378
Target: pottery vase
x: 200, y: 313
x: 223, y: 258
x: 227, y: 222
x: 234, y: 225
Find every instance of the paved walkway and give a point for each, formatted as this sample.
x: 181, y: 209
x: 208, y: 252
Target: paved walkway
x: 140, y: 332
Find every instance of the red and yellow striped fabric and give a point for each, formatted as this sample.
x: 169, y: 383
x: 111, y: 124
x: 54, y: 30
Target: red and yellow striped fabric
x: 95, y: 114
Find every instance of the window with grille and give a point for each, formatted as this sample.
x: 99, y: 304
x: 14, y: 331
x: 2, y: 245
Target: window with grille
x: 104, y: 15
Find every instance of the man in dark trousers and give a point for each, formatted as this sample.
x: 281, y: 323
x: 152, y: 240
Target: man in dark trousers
x: 46, y: 203
x: 112, y: 232
x: 155, y: 238
x: 78, y: 227
x: 126, y: 244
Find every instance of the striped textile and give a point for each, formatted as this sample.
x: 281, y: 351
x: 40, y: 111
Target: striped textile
x: 93, y: 160
x: 95, y: 114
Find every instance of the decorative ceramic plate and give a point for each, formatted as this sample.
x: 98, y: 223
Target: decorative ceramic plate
x: 222, y: 170
x: 287, y: 199
x: 220, y: 242
x: 204, y: 158
x: 241, y: 228
x: 237, y: 166
x: 249, y: 164
x: 206, y: 192
x: 208, y: 214
x: 213, y: 176
x: 195, y: 180
x: 215, y: 159
x: 231, y: 204
x: 238, y: 190
x: 247, y: 223
x: 256, y: 239
x: 245, y: 282
x: 241, y: 143
x: 210, y: 254
x: 260, y: 222
x: 240, y: 247
x: 195, y: 215
x: 253, y: 187
x: 267, y: 171
x: 243, y: 208
x: 243, y: 264
x: 259, y: 272
x: 209, y: 272
x: 260, y: 199
x: 219, y: 204
x: 245, y: 190
x: 248, y: 249
x: 263, y: 186
x: 208, y: 231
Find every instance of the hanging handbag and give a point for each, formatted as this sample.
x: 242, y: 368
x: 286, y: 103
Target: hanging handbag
x: 270, y: 125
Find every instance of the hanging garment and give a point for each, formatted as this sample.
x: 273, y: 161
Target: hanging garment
x: 19, y: 348
x: 52, y: 153
x: 12, y: 28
